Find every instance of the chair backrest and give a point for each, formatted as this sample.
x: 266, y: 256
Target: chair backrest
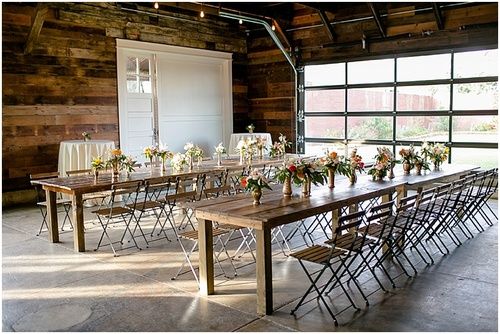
x: 125, y: 192
x: 350, y: 224
x: 79, y: 172
x: 382, y: 214
x: 214, y: 183
x: 155, y: 163
x: 40, y: 194
x: 186, y: 188
x: 159, y: 189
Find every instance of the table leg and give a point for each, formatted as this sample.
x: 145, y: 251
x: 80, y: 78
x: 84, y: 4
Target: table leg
x: 52, y: 216
x: 206, y: 256
x: 264, y: 272
x: 335, y: 220
x: 78, y: 230
x: 401, y: 193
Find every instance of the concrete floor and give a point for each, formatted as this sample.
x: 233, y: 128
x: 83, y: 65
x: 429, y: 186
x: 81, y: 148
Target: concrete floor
x: 49, y: 287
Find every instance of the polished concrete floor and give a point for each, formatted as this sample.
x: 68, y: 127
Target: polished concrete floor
x: 49, y: 287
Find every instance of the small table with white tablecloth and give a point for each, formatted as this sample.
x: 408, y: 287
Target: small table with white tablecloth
x: 78, y: 154
x: 236, y: 137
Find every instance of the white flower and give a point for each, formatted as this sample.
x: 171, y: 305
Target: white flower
x: 189, y: 146
x: 220, y: 149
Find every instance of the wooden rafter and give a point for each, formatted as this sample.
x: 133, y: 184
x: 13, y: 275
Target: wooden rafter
x: 438, y: 16
x: 282, y: 34
x: 40, y: 14
x: 376, y: 17
x: 326, y: 23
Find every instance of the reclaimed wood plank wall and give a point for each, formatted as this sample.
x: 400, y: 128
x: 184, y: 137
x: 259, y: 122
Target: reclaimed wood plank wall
x: 67, y: 84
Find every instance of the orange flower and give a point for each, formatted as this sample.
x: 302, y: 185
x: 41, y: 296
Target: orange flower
x: 244, y: 182
x: 333, y: 155
x: 116, y: 151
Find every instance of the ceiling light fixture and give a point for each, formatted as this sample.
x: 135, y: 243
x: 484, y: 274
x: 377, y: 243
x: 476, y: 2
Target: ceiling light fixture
x: 240, y: 21
x: 202, y: 13
x: 273, y: 27
x: 156, y: 5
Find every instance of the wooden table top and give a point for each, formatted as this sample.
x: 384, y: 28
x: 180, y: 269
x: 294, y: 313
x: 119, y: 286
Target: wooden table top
x: 82, y: 184
x: 275, y: 210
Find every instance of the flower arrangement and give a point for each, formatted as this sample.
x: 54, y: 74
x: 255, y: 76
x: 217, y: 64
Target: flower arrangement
x: 287, y: 170
x: 308, y: 170
x: 383, y: 161
x: 407, y: 155
x: 116, y: 160
x: 254, y: 181
x: 332, y: 160
x: 420, y: 163
x: 193, y: 151
x: 163, y: 153
x: 436, y: 152
x: 250, y: 128
x: 128, y: 164
x: 246, y: 148
x: 178, y: 161
x: 98, y: 163
x: 150, y: 152
x: 86, y: 136
x: 279, y: 148
x: 220, y: 149
x: 355, y: 162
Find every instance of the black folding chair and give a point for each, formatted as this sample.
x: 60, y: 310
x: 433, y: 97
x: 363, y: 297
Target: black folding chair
x: 64, y: 204
x: 334, y: 259
x: 119, y: 212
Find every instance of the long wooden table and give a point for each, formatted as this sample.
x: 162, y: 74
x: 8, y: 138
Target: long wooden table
x: 276, y: 210
x: 77, y: 186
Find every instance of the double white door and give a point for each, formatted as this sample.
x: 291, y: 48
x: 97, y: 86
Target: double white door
x: 171, y: 95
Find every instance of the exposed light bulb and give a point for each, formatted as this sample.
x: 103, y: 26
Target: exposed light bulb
x: 241, y: 21
x: 202, y: 14
x: 273, y: 27
x: 156, y: 5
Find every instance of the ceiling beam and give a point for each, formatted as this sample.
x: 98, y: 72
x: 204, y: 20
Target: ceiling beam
x: 283, y: 35
x: 41, y: 11
x: 329, y: 29
x: 376, y: 17
x: 438, y: 16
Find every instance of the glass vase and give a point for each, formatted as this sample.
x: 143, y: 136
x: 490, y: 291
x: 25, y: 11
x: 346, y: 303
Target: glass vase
x: 353, y: 178
x: 306, y: 187
x: 219, y: 159
x: 391, y: 171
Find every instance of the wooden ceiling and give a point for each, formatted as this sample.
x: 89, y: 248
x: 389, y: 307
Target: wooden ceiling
x: 341, y: 22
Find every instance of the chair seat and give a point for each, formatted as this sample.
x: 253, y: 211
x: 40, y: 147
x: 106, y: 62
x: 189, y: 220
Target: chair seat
x: 193, y: 235
x: 59, y: 201
x: 353, y: 241
x: 375, y: 230
x: 230, y: 227
x: 317, y: 254
x: 116, y: 212
x: 146, y: 205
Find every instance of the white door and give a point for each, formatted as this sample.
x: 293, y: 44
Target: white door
x: 173, y: 95
x: 136, y: 102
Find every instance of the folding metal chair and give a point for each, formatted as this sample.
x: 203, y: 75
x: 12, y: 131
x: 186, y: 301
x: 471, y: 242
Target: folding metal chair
x: 97, y: 197
x: 41, y: 202
x: 341, y: 253
x: 118, y: 212
x: 153, y: 202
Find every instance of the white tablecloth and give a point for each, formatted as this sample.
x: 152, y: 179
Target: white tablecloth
x: 236, y: 137
x: 78, y: 154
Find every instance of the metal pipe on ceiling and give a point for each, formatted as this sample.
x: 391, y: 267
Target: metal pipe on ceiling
x: 266, y: 25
